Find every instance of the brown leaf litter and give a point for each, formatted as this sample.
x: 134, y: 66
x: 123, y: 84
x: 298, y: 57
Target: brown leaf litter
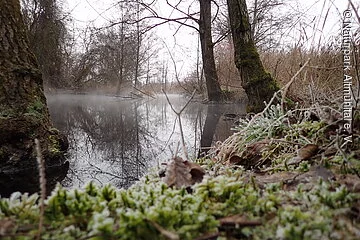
x: 182, y: 173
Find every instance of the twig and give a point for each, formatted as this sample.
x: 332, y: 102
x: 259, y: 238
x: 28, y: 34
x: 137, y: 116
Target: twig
x: 101, y: 171
x: 165, y: 233
x: 42, y: 180
x: 287, y: 86
x: 178, y: 115
x: 147, y: 94
x: 175, y: 68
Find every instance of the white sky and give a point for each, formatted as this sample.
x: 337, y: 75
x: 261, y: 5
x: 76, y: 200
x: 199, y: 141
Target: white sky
x: 184, y: 48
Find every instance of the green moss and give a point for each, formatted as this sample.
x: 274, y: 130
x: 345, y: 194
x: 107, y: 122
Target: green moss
x: 257, y: 83
x: 109, y: 213
x: 6, y: 112
x: 36, y: 108
x: 249, y: 57
x: 54, y: 146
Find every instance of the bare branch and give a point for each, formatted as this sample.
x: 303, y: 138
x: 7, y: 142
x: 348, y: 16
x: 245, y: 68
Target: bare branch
x: 222, y: 37
x: 217, y: 10
x: 287, y: 86
x: 175, y: 68
x: 178, y: 114
x: 154, y: 15
x: 189, y: 15
x: 164, y: 20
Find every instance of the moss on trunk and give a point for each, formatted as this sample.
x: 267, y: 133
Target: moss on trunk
x: 258, y: 84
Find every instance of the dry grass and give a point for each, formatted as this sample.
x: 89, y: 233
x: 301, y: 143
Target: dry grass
x: 321, y: 80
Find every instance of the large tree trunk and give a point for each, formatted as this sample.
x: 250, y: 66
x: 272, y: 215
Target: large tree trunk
x: 207, y: 49
x: 23, y: 112
x: 258, y: 84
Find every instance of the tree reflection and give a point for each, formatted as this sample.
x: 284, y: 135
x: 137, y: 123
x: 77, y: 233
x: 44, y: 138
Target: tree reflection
x: 105, y: 136
x: 218, y: 123
x: 116, y: 141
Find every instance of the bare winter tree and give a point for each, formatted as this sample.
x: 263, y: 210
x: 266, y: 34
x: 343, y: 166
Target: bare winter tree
x: 269, y: 20
x: 115, y: 58
x: 203, y: 25
x: 207, y: 50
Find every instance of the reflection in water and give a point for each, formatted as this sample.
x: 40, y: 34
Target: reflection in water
x: 218, y: 123
x: 116, y: 141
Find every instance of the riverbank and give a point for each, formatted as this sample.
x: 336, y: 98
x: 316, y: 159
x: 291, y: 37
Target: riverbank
x: 282, y: 175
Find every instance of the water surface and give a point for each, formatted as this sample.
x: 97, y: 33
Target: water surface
x: 116, y: 140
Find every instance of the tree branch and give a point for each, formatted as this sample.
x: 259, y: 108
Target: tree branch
x: 178, y: 114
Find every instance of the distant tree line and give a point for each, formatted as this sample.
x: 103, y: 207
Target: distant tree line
x: 113, y: 57
x: 123, y: 54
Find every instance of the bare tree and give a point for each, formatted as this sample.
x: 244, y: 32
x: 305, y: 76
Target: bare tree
x: 207, y: 49
x: 269, y: 20
x: 188, y: 17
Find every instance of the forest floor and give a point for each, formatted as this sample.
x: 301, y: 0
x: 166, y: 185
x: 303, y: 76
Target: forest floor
x: 284, y: 174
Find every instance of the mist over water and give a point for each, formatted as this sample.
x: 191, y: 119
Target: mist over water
x: 116, y: 140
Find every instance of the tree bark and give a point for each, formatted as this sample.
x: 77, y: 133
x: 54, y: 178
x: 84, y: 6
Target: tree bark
x: 258, y: 84
x: 207, y: 48
x: 23, y: 112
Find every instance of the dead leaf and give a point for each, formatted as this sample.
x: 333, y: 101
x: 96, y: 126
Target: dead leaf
x: 180, y: 173
x: 235, y: 160
x: 308, y: 151
x: 6, y: 226
x: 196, y: 171
x: 304, y: 153
x: 251, y: 156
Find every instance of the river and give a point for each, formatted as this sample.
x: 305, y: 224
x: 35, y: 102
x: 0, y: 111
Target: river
x: 116, y: 140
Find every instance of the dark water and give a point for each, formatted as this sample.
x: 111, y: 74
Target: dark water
x: 115, y: 140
